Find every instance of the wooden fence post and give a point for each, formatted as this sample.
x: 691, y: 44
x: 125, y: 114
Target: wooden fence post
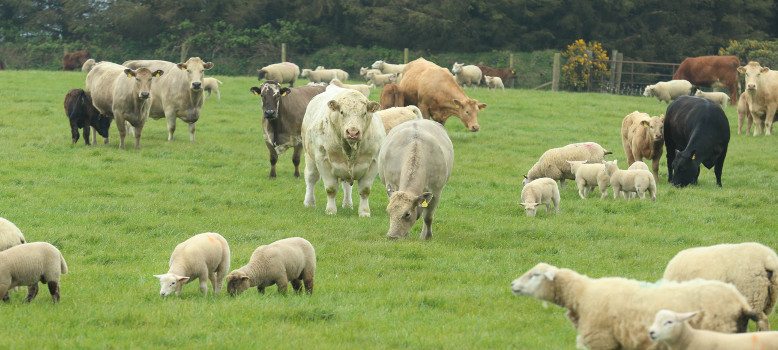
x: 555, y: 72
x: 614, y: 53
x: 510, y: 61
x: 619, y: 63
x: 405, y: 55
x: 283, y: 52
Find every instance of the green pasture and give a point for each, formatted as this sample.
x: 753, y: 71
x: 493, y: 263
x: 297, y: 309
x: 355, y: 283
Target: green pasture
x: 117, y: 214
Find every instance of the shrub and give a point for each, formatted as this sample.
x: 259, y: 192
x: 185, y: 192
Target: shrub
x: 586, y: 62
x: 765, y: 52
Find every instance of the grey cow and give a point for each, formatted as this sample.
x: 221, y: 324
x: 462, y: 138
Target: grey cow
x: 414, y: 163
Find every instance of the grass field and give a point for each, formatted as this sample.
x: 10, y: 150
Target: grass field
x: 116, y: 216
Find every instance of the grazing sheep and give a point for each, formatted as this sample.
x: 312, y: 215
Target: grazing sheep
x: 668, y: 90
x: 744, y: 112
x: 283, y: 261
x: 284, y: 72
x: 88, y: 64
x: 10, y: 235
x: 670, y: 328
x: 587, y: 176
x: 553, y: 163
x: 469, y: 75
x: 391, y: 96
x: 718, y: 97
x: 615, y: 313
x: 394, y: 116
x: 365, y: 71
x: 388, y: 68
x: 750, y: 267
x: 382, y: 79
x: 30, y: 263
x: 362, y: 88
x: 318, y: 76
x: 336, y: 73
x: 642, y: 136
x: 494, y: 82
x: 540, y: 191
x: 205, y: 256
x: 316, y: 84
x: 623, y: 181
x: 211, y: 85
x: 638, y: 165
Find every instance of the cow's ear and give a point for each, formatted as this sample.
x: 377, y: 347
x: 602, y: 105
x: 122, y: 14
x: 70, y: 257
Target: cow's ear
x: 459, y: 103
x: 481, y: 105
x: 130, y: 73
x: 334, y: 106
x: 208, y: 65
x: 285, y: 91
x: 255, y: 90
x: 373, y: 106
x: 741, y: 70
x: 764, y: 69
x: 424, y: 199
x: 644, y: 123
x: 181, y: 66
x: 157, y: 73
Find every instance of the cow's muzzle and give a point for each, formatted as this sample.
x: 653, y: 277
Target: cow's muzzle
x: 270, y: 114
x: 144, y: 95
x: 751, y: 87
x: 353, y: 134
x: 196, y: 85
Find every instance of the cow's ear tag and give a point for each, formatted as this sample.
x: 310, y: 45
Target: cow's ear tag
x: 129, y: 75
x: 694, y: 156
x: 424, y: 204
x: 286, y: 92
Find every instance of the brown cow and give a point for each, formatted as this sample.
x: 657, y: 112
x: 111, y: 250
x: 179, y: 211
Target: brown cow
x: 711, y: 70
x: 436, y: 93
x: 508, y: 75
x: 391, y: 96
x: 74, y: 60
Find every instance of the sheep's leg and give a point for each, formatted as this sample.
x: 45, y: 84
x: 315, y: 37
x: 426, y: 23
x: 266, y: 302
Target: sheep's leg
x: 212, y: 277
x: 273, y: 159
x: 192, y: 127
x: 616, y: 191
x: 282, y: 284
x: 296, y: 159
x: 581, y: 190
x: 348, y: 202
x: 53, y: 290
x: 311, y: 178
x: 6, y: 296
x: 308, y: 280
x: 203, y: 279
x: 297, y: 285
x: 261, y: 288
x: 32, y: 291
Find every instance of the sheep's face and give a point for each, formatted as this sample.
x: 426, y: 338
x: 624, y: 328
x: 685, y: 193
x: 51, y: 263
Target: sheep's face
x: 611, y: 166
x: 537, y: 282
x: 531, y: 209
x: 171, y: 283
x: 378, y: 64
x: 649, y: 91
x: 686, y: 169
x: 456, y: 68
x: 237, y: 282
x: 351, y: 114
x: 575, y: 164
x: 404, y: 209
x: 698, y: 93
x: 668, y: 325
x: 195, y: 68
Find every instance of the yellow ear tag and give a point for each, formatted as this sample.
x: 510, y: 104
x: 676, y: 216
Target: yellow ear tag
x: 285, y: 93
x: 129, y: 75
x: 694, y: 156
x: 424, y: 204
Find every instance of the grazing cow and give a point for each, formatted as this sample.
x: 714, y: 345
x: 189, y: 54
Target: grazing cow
x: 762, y: 89
x: 341, y: 139
x: 179, y: 93
x: 283, y: 110
x: 508, y: 75
x: 74, y: 60
x: 391, y: 96
x: 82, y: 114
x: 642, y: 137
x: 709, y: 71
x: 123, y: 93
x: 436, y: 93
x: 415, y: 163
x: 696, y: 132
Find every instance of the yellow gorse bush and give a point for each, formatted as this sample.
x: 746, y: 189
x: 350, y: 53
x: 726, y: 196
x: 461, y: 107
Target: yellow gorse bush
x: 585, y: 61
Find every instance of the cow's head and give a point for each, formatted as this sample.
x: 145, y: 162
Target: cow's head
x: 686, y: 168
x: 753, y: 73
x: 102, y: 124
x: 467, y: 111
x: 271, y: 93
x: 351, y: 114
x: 142, y: 78
x: 404, y: 209
x: 195, y: 68
x: 655, y: 127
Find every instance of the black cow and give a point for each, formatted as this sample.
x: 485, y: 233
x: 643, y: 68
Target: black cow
x: 82, y: 114
x: 696, y: 132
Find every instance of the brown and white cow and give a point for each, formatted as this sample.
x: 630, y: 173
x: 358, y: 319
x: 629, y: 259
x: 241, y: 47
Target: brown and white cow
x: 762, y: 88
x: 433, y: 89
x: 709, y: 71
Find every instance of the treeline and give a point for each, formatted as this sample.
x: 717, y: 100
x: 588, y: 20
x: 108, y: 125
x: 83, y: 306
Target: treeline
x: 246, y: 34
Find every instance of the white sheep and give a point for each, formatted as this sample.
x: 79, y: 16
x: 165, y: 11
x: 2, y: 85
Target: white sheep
x: 205, y: 256
x: 540, y: 191
x: 10, y: 235
x: 381, y: 79
x: 615, y: 313
x: 717, y: 97
x: 638, y: 165
x: 587, y: 176
x: 283, y: 261
x: 284, y: 72
x: 88, y: 65
x: 625, y: 181
x: 469, y: 75
x: 751, y: 267
x: 211, y: 85
x: 337, y: 73
x: 388, y: 68
x: 672, y: 329
x: 494, y: 82
x: 363, y: 71
x: 668, y: 90
x: 394, y: 116
x: 362, y: 88
x: 553, y: 163
x: 30, y: 263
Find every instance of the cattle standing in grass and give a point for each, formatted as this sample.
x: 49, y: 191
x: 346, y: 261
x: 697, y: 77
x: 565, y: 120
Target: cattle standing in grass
x: 744, y: 112
x: 762, y: 90
x: 123, y: 93
x: 642, y: 137
x: 341, y: 139
x: 391, y: 96
x: 696, y: 132
x: 179, y: 92
x: 508, y: 75
x: 436, y: 93
x: 283, y: 110
x: 709, y: 71
x: 82, y: 114
x: 74, y: 60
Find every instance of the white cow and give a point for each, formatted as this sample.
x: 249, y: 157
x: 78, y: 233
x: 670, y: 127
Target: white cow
x: 341, y: 139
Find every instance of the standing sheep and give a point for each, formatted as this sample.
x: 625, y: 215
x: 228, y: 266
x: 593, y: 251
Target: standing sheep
x: 30, y: 263
x: 469, y: 75
x: 494, y: 82
x: 283, y: 261
x: 718, y: 97
x: 336, y: 73
x: 553, y: 163
x: 10, y: 235
x: 365, y: 71
x: 750, y: 267
x: 284, y: 72
x: 394, y: 116
x: 362, y: 88
x: 205, y: 256
x: 623, y: 181
x: 381, y: 79
x: 615, y: 313
x: 540, y: 191
x: 638, y: 165
x: 211, y: 85
x: 670, y: 328
x: 587, y: 176
x: 668, y: 90
x: 388, y: 68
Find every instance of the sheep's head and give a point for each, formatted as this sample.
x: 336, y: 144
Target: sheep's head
x: 171, y: 283
x: 649, y: 91
x: 377, y: 64
x: 611, y: 166
x: 531, y: 209
x: 237, y: 282
x: 538, y: 282
x: 698, y: 92
x: 668, y: 325
x: 575, y: 164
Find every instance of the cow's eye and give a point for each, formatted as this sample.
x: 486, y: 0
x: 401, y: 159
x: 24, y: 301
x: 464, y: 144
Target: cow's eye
x: 407, y: 216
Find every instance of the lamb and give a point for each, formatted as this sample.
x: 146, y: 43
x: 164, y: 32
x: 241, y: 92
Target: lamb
x: 744, y: 112
x: 623, y: 181
x: 587, y: 176
x: 365, y: 71
x: 382, y: 79
x: 668, y: 90
x: 88, y: 64
x: 283, y: 261
x: 388, y: 68
x: 394, y: 116
x: 553, y: 163
x: 638, y: 165
x: 750, y: 267
x: 30, y: 263
x: 718, y: 97
x: 540, y: 191
x: 494, y: 82
x: 205, y: 256
x: 10, y: 235
x: 336, y: 73
x: 362, y: 88
x: 615, y: 313
x: 670, y: 328
x: 469, y: 75
x: 318, y: 76
x: 284, y: 72
x: 391, y: 96
x: 211, y: 85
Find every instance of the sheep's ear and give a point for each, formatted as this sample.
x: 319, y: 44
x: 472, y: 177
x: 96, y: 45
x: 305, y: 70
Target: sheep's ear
x: 159, y: 276
x: 285, y: 91
x: 741, y: 70
x: 244, y: 278
x: 644, y: 123
x: 687, y: 315
x: 182, y: 279
x: 525, y: 176
x: 334, y: 106
x: 255, y: 90
x: 550, y: 275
